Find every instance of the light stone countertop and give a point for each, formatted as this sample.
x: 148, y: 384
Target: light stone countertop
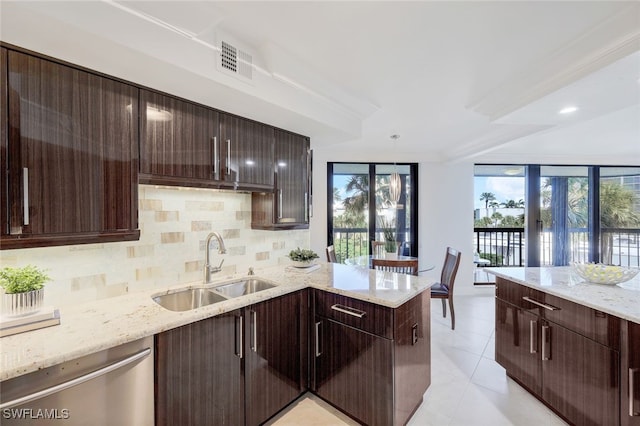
x: 94, y: 326
x: 621, y: 300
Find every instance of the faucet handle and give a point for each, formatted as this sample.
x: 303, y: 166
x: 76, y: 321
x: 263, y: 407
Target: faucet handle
x: 251, y: 271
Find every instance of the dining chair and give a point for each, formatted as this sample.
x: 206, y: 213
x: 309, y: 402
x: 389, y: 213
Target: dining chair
x: 409, y: 267
x: 331, y: 254
x: 377, y: 248
x: 444, y: 289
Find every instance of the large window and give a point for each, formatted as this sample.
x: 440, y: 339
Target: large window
x: 361, y: 207
x: 566, y: 214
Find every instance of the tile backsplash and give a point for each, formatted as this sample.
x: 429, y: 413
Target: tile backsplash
x: 174, y: 223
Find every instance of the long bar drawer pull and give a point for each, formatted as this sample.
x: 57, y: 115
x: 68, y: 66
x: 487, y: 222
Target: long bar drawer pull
x: 632, y: 374
x: 546, y: 348
x: 542, y: 305
x: 533, y: 346
x: 78, y: 380
x: 349, y: 311
x: 215, y: 158
x: 318, y: 351
x: 25, y: 195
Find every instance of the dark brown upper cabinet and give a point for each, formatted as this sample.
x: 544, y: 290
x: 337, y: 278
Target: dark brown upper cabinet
x: 70, y: 155
x: 179, y: 142
x: 247, y: 150
x: 289, y: 206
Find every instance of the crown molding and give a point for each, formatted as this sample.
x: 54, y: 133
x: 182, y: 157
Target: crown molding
x: 611, y: 40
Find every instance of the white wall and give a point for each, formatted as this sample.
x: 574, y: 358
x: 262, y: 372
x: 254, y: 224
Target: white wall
x: 445, y: 203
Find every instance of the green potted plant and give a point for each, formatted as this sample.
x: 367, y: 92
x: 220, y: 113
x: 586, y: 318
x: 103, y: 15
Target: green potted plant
x: 302, y: 258
x: 23, y: 289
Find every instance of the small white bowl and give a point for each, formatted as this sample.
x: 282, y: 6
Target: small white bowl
x: 604, y: 274
x: 302, y: 263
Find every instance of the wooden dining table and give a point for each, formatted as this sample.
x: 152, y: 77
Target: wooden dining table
x: 367, y: 261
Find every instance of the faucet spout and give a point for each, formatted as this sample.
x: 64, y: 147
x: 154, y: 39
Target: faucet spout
x: 208, y: 269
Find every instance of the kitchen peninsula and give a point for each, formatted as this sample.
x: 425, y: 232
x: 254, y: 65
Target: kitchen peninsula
x: 574, y: 345
x: 384, y: 311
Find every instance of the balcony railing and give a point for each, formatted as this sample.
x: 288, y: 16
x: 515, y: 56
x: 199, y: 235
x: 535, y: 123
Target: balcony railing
x: 352, y: 242
x: 506, y: 246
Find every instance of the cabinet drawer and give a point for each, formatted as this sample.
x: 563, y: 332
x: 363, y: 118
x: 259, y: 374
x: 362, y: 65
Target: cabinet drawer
x: 359, y: 314
x: 588, y: 322
x: 515, y: 293
x: 591, y: 323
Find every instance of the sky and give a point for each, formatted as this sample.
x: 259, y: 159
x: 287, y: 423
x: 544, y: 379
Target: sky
x: 504, y: 188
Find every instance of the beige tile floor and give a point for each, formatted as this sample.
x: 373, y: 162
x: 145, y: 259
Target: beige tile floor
x: 468, y: 387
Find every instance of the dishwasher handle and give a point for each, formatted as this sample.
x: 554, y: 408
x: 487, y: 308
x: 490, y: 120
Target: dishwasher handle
x: 78, y: 380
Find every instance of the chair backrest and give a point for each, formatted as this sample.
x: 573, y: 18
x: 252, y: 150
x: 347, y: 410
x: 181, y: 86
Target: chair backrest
x: 377, y: 248
x: 331, y: 255
x: 409, y: 267
x: 450, y: 268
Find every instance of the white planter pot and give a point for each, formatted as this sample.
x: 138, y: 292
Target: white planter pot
x: 17, y: 304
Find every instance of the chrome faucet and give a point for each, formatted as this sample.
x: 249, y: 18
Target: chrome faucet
x: 208, y: 269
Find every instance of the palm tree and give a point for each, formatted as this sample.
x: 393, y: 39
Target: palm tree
x: 486, y: 197
x: 616, y: 211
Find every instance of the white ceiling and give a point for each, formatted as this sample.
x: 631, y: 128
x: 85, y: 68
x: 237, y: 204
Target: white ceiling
x: 479, y: 80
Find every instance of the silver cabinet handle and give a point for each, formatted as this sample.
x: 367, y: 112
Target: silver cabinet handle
x: 254, y: 328
x: 216, y: 168
x: 240, y: 335
x: 318, y: 351
x: 533, y: 347
x: 25, y: 195
x: 542, y: 305
x: 78, y: 380
x: 349, y: 311
x: 228, y: 156
x: 279, y: 203
x: 306, y: 207
x: 632, y: 373
x: 546, y: 349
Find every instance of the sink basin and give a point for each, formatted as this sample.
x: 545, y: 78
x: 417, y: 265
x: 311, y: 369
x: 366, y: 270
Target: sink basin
x: 185, y: 300
x: 240, y: 288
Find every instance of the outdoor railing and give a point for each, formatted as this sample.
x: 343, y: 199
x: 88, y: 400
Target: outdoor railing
x: 352, y: 242
x: 506, y: 246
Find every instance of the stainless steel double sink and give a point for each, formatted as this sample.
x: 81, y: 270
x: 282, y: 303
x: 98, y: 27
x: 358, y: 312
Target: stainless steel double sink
x: 192, y: 298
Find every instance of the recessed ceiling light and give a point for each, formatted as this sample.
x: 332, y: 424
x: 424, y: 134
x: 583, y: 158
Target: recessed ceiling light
x: 568, y: 110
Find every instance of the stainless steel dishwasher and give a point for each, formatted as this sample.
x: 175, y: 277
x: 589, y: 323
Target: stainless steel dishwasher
x: 111, y: 387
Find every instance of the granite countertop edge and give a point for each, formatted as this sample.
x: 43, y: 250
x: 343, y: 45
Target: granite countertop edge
x: 622, y: 300
x: 97, y: 325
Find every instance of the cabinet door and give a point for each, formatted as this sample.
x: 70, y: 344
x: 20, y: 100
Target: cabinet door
x: 272, y: 364
x: 353, y: 371
x: 4, y: 183
x: 630, y: 402
x: 292, y: 180
x: 73, y: 152
x: 580, y: 376
x: 517, y: 345
x: 198, y: 373
x: 247, y: 150
x: 178, y: 140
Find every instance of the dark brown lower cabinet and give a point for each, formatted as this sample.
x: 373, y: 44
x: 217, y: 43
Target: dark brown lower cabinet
x: 273, y: 358
x: 517, y: 345
x: 630, y: 374
x: 199, y: 373
x: 377, y: 379
x: 577, y: 376
x: 239, y: 368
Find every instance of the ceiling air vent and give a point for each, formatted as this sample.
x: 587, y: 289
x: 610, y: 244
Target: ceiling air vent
x: 235, y: 61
